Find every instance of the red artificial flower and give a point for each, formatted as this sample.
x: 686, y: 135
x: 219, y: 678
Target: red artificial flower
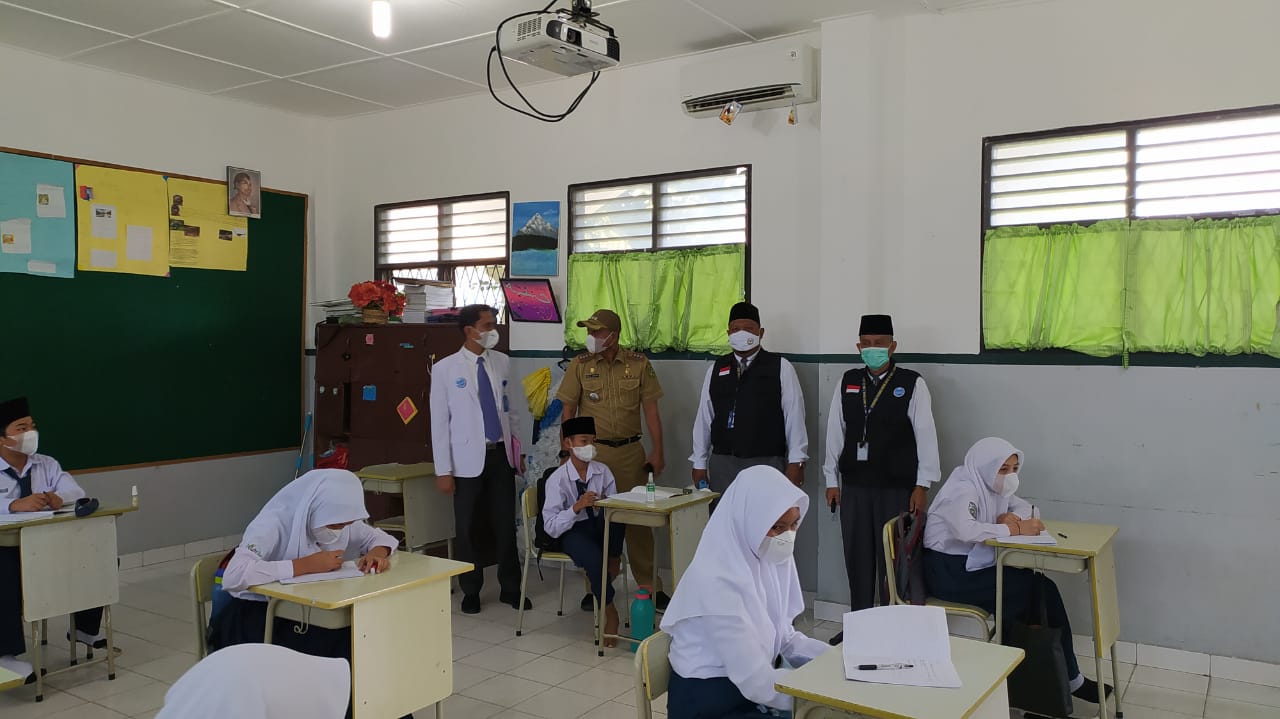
x: 377, y: 294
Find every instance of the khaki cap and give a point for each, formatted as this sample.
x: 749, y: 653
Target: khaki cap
x: 602, y: 319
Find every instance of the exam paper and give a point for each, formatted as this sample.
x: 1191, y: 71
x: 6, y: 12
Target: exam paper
x: 899, y: 634
x: 348, y: 570
x: 1042, y: 538
x: 16, y: 517
x: 639, y: 495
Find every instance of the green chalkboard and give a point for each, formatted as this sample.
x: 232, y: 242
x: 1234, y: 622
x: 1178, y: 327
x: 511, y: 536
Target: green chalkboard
x: 125, y: 369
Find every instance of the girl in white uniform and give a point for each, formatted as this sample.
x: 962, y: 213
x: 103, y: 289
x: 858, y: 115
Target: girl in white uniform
x: 308, y: 527
x: 731, y: 617
x: 978, y: 503
x: 260, y: 681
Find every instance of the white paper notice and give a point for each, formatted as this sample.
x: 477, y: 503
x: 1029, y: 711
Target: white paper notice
x: 912, y: 636
x: 105, y: 259
x: 103, y: 222
x: 50, y: 201
x: 36, y: 267
x: 15, y: 236
x: 138, y: 243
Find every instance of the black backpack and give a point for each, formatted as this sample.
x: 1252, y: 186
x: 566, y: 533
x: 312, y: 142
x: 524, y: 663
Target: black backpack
x: 543, y: 541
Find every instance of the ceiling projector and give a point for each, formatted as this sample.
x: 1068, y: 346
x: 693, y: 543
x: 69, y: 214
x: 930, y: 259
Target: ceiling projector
x: 567, y: 43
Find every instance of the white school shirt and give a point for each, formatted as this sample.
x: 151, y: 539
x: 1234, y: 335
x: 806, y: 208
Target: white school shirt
x: 46, y: 476
x: 954, y: 525
x: 562, y: 492
x: 248, y: 569
x: 792, y: 415
x: 919, y: 411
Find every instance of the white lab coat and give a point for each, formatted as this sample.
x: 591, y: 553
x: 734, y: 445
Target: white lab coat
x: 457, y: 425
x: 733, y: 611
x: 963, y: 515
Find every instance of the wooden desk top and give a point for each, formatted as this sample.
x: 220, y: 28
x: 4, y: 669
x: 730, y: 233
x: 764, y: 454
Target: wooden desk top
x: 397, y: 472
x: 66, y: 517
x: 1082, y: 540
x: 407, y: 570
x: 982, y: 668
x: 661, y: 506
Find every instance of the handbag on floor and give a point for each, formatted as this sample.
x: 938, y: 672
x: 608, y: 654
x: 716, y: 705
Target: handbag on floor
x: 1040, y: 683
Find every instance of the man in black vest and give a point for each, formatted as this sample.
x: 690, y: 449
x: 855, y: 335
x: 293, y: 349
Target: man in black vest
x: 882, y: 455
x: 751, y: 411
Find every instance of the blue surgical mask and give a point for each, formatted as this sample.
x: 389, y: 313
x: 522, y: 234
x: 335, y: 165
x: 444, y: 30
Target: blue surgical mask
x: 875, y: 357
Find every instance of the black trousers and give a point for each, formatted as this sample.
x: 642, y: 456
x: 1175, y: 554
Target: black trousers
x: 490, y: 496
x: 584, y: 541
x: 863, y: 513
x: 12, y: 636
x: 946, y: 577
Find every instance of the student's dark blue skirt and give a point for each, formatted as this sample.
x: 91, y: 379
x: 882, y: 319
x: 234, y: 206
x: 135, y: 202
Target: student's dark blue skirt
x: 716, y: 698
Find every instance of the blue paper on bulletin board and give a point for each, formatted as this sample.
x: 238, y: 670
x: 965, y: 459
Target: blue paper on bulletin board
x: 37, y: 216
x: 369, y: 393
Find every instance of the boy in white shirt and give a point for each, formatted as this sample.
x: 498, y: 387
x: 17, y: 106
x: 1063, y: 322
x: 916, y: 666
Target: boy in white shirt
x: 569, y: 512
x: 30, y: 482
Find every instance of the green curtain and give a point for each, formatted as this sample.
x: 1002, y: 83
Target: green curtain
x: 1185, y: 286
x: 667, y: 300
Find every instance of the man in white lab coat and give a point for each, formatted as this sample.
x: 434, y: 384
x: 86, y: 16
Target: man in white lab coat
x: 471, y: 429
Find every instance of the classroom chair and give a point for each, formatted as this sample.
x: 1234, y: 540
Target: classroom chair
x: 529, y: 509
x: 954, y: 609
x: 653, y: 672
x: 201, y: 594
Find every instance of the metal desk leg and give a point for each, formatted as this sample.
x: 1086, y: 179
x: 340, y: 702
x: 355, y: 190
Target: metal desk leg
x: 1115, y: 677
x: 604, y: 573
x: 1000, y: 556
x: 271, y: 620
x: 111, y: 643
x: 38, y: 665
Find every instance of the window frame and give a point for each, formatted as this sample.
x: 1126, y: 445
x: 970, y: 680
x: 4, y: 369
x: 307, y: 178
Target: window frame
x: 446, y: 268
x: 1067, y: 357
x: 656, y: 180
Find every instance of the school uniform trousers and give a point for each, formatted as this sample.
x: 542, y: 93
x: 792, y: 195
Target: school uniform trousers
x: 12, y: 632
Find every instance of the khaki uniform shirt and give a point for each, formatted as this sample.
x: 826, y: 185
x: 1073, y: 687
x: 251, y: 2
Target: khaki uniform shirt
x: 611, y: 392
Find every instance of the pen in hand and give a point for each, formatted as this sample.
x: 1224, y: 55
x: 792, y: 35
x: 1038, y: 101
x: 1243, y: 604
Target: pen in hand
x: 873, y: 667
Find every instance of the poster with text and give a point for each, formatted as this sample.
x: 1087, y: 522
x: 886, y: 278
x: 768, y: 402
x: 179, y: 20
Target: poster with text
x: 121, y: 222
x: 37, y: 224
x: 535, y: 239
x: 201, y: 233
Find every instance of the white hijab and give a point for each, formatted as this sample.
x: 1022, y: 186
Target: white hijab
x: 977, y: 478
x: 260, y: 681
x: 727, y: 576
x: 282, y: 530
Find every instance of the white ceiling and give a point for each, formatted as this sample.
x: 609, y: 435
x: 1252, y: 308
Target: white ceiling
x: 319, y: 57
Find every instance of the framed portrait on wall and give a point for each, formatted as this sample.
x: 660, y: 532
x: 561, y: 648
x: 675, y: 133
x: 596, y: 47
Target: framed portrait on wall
x: 244, y: 192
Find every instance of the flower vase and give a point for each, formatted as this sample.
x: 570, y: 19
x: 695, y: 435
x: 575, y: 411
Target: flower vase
x: 373, y: 316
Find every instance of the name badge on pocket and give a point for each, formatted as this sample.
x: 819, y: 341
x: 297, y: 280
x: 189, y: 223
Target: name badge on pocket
x: 863, y: 448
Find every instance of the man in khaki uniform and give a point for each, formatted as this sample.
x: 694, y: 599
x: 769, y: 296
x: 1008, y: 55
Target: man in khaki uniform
x: 613, y: 386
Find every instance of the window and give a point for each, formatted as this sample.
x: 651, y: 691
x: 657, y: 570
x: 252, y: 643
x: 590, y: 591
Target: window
x: 461, y: 240
x: 688, y: 209
x: 668, y: 253
x: 1153, y: 236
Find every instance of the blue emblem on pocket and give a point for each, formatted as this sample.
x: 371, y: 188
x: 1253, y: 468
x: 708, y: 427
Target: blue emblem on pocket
x: 461, y: 382
x: 899, y: 392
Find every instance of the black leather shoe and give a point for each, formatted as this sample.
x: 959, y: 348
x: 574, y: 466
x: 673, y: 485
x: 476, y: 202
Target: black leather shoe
x: 513, y: 598
x: 588, y: 603
x: 471, y: 604
x: 1089, y: 691
x: 839, y: 637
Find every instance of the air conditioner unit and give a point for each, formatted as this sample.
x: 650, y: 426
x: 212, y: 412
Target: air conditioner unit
x: 759, y: 80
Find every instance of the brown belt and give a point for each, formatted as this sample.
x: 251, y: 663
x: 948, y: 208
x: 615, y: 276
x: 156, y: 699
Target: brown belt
x: 618, y: 442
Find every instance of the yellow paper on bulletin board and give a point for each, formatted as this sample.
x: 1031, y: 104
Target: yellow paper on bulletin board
x: 201, y: 233
x: 121, y: 224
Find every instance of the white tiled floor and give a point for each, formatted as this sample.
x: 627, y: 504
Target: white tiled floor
x: 551, y: 672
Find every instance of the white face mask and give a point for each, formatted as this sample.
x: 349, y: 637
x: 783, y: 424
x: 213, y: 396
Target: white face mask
x: 779, y: 549
x: 26, y: 442
x: 595, y: 345
x: 1006, y: 484
x: 489, y: 339
x: 743, y: 341
x: 586, y: 452
x: 326, y: 535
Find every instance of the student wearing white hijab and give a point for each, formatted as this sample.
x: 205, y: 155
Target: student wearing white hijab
x: 260, y: 681
x: 731, y: 616
x: 310, y: 526
x: 978, y: 503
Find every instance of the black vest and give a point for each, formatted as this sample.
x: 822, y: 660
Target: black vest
x: 755, y: 401
x: 891, y: 459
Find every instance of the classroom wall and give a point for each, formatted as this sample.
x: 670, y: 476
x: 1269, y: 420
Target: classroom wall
x: 75, y: 111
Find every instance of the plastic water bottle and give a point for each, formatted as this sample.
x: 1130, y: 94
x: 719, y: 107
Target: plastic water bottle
x: 650, y: 491
x: 641, y: 617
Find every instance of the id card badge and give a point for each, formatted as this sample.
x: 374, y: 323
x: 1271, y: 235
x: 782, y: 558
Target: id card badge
x: 862, y: 451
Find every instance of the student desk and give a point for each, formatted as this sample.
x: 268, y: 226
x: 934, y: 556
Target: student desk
x: 1080, y: 548
x: 428, y: 514
x: 68, y: 564
x: 685, y: 516
x: 10, y: 680
x: 401, y: 641
x: 822, y: 692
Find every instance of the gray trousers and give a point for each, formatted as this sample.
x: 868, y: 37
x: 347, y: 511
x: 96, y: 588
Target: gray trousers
x: 863, y: 513
x: 723, y: 468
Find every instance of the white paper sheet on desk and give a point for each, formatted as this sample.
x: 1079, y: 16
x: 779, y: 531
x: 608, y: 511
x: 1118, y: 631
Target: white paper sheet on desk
x: 16, y: 517
x: 348, y: 570
x: 638, y: 494
x: 900, y: 634
x: 1041, y: 538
